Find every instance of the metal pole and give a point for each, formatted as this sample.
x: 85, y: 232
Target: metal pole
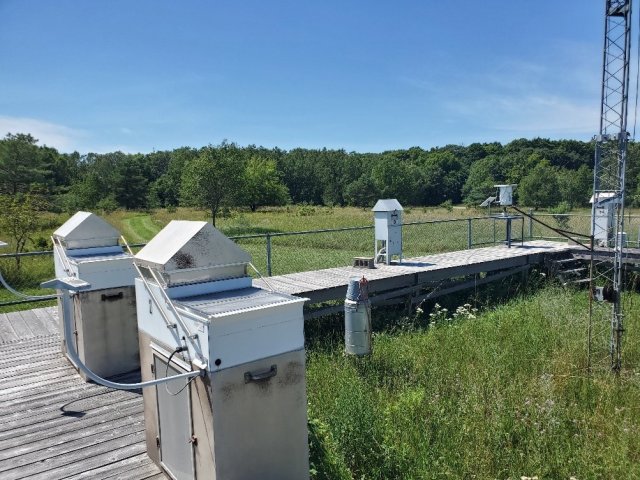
x: 494, y: 230
x: 469, y: 234
x: 268, y: 255
x: 530, y: 224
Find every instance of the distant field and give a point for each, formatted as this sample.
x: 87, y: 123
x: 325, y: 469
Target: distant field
x: 293, y: 253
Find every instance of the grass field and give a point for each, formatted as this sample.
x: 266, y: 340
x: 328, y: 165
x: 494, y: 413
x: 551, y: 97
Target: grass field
x: 290, y: 254
x: 294, y: 253
x: 504, y: 395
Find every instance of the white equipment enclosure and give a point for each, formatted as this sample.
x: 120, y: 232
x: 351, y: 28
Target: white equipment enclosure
x: 103, y: 314
x: 505, y: 194
x: 603, y: 221
x: 388, y: 230
x: 247, y: 417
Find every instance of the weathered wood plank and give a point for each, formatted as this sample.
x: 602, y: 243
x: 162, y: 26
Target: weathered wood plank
x: 91, y: 438
x: 52, y: 361
x: 141, y: 472
x: 7, y: 333
x: 81, y: 460
x: 78, y: 408
x: 49, y: 317
x: 27, y: 382
x: 58, y: 420
x: 35, y: 324
x: 133, y: 411
x: 118, y: 469
x: 19, y: 325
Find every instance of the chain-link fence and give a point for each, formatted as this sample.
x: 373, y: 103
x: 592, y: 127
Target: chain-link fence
x: 577, y: 223
x: 292, y: 252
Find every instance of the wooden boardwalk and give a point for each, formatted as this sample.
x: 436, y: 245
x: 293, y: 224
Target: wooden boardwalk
x: 331, y: 283
x: 53, y: 425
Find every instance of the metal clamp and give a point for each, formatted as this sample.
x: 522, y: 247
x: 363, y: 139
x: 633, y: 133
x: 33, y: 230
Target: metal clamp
x: 261, y: 376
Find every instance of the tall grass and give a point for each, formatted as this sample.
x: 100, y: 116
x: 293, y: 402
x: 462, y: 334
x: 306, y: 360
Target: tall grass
x: 503, y: 395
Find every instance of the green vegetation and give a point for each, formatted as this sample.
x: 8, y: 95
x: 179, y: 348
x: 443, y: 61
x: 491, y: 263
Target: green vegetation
x: 228, y: 176
x: 503, y: 395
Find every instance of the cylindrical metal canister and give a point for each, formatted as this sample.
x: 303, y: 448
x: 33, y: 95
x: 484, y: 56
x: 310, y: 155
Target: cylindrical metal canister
x: 357, y: 319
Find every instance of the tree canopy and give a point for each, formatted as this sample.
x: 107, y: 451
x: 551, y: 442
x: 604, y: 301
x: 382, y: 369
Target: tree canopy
x: 548, y: 172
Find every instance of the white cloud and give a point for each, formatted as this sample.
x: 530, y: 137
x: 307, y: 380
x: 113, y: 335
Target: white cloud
x: 61, y: 137
x: 514, y: 98
x: 527, y: 115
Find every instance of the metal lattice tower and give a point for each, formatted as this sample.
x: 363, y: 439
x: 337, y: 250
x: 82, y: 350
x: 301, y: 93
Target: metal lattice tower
x: 607, y: 215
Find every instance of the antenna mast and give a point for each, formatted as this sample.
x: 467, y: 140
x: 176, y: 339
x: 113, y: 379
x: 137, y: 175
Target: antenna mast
x: 607, y: 213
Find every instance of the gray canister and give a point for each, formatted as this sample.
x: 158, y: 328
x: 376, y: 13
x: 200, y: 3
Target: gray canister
x: 357, y: 318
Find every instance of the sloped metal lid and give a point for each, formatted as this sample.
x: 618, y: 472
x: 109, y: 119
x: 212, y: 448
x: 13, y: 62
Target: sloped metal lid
x: 604, y: 197
x: 387, y: 205
x: 85, y: 229
x: 186, y: 245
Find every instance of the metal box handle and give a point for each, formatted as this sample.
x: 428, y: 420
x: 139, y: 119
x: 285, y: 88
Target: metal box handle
x: 261, y: 376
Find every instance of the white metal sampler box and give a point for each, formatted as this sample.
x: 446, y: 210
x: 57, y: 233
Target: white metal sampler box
x: 233, y: 326
x: 102, y: 267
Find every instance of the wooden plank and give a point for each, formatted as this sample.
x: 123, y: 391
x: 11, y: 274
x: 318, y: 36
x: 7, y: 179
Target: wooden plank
x: 40, y: 452
x: 83, y: 459
x: 141, y: 472
x: 118, y: 468
x: 36, y: 325
x: 7, y: 333
x: 49, y: 317
x: 52, y: 361
x: 66, y: 412
x: 133, y: 411
x: 27, y: 382
x: 59, y: 420
x: 19, y: 325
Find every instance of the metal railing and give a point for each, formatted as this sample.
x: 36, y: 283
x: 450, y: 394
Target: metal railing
x: 292, y: 252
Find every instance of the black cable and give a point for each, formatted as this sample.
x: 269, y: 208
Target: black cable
x: 166, y: 373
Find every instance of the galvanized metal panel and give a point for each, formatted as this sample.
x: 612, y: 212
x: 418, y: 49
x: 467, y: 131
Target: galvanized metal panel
x: 387, y: 205
x: 260, y: 428
x: 107, y: 331
x: 187, y: 245
x: 228, y: 302
x: 85, y: 229
x: 176, y: 452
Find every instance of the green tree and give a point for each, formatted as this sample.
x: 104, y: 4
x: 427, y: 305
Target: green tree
x: 483, y: 175
x: 540, y: 187
x: 20, y: 218
x: 130, y: 187
x: 262, y: 184
x: 211, y: 180
x: 398, y: 179
x: 576, y: 186
x: 444, y: 177
x: 21, y: 164
x: 362, y: 192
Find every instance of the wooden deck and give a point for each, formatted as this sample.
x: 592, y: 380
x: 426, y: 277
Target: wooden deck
x: 53, y: 425
x: 331, y: 283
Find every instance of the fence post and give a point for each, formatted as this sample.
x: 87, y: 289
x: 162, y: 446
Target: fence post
x: 469, y: 234
x: 268, y: 255
x: 494, y: 230
x: 530, y: 224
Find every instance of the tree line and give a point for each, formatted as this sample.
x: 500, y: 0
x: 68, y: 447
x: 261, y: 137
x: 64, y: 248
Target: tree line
x: 549, y: 173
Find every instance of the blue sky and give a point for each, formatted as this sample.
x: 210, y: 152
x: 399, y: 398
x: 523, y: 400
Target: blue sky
x: 139, y: 75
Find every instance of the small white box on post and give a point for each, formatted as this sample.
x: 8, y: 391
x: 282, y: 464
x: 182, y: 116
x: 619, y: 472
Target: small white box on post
x: 505, y: 194
x: 388, y: 230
